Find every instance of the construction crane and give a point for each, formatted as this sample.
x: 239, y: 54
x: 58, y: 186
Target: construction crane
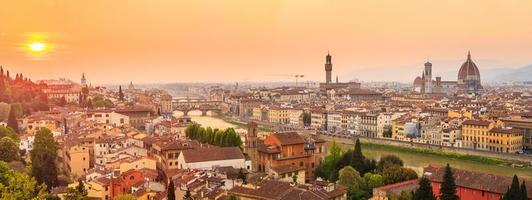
x: 296, y: 76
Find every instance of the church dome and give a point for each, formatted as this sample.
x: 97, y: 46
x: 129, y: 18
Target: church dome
x: 418, y: 81
x: 469, y: 70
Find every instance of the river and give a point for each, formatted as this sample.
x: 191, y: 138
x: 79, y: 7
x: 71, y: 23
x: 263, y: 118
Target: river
x: 415, y: 161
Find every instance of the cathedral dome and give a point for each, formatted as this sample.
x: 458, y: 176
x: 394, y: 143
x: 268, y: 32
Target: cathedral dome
x: 418, y: 81
x: 469, y: 70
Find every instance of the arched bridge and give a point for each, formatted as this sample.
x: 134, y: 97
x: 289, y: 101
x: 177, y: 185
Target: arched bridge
x: 185, y: 106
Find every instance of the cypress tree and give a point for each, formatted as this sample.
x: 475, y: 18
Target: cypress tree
x: 357, y: 161
x: 12, y: 120
x: 120, y: 93
x: 81, y: 188
x: 524, y: 193
x: 448, y: 187
x: 170, y: 191
x: 188, y: 196
x: 424, y: 192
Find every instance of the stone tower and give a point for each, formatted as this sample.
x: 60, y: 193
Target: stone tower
x: 328, y: 68
x: 428, y: 77
x: 251, y: 144
x: 83, y: 80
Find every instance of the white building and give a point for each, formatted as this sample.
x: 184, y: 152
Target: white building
x: 334, y: 122
x: 108, y: 117
x: 209, y: 158
x: 295, y: 115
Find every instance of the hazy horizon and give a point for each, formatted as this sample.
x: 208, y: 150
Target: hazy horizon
x: 114, y: 42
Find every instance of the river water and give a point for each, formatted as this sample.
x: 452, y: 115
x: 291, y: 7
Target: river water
x: 415, y: 161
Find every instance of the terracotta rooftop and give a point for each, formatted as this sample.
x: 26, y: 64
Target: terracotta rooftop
x: 212, y: 154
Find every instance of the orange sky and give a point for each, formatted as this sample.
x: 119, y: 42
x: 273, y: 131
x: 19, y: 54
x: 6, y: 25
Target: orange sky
x: 115, y: 41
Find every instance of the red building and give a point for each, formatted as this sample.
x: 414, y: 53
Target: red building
x: 472, y: 185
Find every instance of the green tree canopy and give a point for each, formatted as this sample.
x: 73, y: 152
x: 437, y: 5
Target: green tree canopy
x: 9, y: 150
x: 43, y: 156
x: 350, y: 178
x: 15, y: 185
x: 387, y: 161
x: 9, y: 132
x: 396, y: 174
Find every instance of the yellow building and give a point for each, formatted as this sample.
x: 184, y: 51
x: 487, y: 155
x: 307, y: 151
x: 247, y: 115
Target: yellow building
x: 507, y: 140
x: 398, y: 129
x: 278, y: 115
x: 475, y: 134
x: 458, y: 114
x: 77, y: 160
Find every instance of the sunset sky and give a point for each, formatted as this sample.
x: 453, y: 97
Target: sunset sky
x: 117, y: 41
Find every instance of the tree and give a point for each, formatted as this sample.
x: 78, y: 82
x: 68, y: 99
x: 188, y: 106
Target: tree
x: 120, y: 93
x: 448, y: 187
x: 396, y: 174
x: 81, y: 188
x: 372, y: 181
x: 524, y: 192
x: 516, y: 192
x: 328, y: 168
x: 242, y: 176
x: 424, y: 192
x: 43, y: 157
x: 170, y: 191
x: 9, y: 150
x: 16, y: 185
x: 294, y: 178
x: 73, y: 194
x: 358, y: 158
x: 350, y: 178
x: 9, y: 132
x: 12, y: 120
x: 187, y: 196
x: 387, y: 161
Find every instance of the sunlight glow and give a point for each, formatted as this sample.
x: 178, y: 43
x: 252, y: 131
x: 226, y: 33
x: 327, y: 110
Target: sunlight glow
x: 37, y: 46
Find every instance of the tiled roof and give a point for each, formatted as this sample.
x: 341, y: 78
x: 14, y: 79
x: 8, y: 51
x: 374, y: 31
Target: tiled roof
x: 289, y: 138
x: 212, y: 154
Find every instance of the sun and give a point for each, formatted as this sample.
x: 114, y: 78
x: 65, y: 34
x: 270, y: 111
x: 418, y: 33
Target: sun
x: 37, y: 46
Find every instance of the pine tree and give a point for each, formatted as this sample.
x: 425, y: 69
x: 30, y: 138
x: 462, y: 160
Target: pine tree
x: 357, y: 161
x: 2, y: 86
x: 81, y: 188
x: 524, y: 192
x: 12, y: 120
x: 188, y: 196
x: 242, y: 176
x: 515, y: 192
x: 120, y: 93
x: 171, y: 191
x: 65, y: 125
x: 424, y: 192
x: 448, y: 187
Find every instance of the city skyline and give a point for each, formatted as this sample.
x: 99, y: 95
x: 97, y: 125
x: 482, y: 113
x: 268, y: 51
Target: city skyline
x: 205, y: 41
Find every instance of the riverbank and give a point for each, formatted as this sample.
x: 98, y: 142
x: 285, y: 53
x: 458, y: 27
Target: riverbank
x: 417, y: 159
x: 241, y: 124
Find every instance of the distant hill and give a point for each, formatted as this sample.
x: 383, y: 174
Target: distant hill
x: 519, y: 74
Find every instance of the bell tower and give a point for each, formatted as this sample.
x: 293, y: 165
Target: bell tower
x: 328, y: 68
x: 251, y: 145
